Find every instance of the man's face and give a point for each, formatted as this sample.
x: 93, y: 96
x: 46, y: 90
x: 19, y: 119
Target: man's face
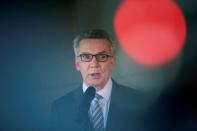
x: 95, y: 73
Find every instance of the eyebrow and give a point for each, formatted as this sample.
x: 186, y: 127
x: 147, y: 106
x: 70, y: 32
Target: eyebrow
x: 102, y: 52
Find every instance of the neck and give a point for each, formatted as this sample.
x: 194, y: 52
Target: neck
x: 98, y: 88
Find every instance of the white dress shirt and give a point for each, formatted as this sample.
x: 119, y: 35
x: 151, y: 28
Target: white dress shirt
x: 105, y: 102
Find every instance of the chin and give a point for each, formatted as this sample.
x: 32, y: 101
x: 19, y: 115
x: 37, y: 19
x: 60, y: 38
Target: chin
x: 96, y: 83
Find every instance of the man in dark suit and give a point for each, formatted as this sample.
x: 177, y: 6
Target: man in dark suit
x: 99, y: 103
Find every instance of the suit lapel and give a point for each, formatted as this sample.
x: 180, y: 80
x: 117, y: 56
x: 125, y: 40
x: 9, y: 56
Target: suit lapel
x: 119, y: 110
x: 78, y: 97
x: 81, y: 118
x: 113, y: 109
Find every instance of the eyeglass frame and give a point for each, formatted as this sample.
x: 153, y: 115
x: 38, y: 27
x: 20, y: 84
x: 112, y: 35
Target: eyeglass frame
x: 96, y: 55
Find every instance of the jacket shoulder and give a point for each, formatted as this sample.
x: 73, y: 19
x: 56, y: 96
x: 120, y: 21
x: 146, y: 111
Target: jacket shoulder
x: 67, y: 98
x: 129, y: 95
x: 127, y: 90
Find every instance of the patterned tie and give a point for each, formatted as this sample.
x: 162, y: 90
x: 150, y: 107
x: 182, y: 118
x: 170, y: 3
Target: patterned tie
x: 96, y: 114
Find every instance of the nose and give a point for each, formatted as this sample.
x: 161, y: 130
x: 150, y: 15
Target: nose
x: 94, y: 63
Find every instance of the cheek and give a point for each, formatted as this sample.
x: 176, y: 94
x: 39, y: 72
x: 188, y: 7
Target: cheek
x: 107, y: 68
x: 111, y: 65
x: 83, y: 72
x: 80, y: 66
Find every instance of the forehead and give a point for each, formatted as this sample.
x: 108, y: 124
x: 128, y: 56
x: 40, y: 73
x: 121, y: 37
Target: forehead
x: 94, y: 45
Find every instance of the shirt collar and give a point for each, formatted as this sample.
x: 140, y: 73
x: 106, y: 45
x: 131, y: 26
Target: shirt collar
x: 105, y: 92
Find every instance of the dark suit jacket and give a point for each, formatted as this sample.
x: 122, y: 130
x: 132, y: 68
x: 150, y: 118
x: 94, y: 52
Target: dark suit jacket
x: 126, y: 108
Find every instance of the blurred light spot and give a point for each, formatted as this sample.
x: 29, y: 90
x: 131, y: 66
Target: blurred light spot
x: 151, y: 32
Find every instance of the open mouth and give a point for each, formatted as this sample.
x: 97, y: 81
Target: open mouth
x: 95, y: 75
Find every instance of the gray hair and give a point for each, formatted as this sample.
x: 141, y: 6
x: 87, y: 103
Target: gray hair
x: 92, y: 34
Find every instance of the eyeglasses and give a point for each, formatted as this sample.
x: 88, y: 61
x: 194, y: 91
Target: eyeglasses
x: 89, y: 57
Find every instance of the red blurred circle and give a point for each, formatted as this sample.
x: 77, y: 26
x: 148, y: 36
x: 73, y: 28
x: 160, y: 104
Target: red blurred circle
x: 150, y: 31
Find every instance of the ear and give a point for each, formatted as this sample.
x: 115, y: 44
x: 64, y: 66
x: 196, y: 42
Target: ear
x: 113, y: 63
x: 77, y: 66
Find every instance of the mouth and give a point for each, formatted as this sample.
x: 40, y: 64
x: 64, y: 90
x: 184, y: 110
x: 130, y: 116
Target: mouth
x: 95, y: 75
